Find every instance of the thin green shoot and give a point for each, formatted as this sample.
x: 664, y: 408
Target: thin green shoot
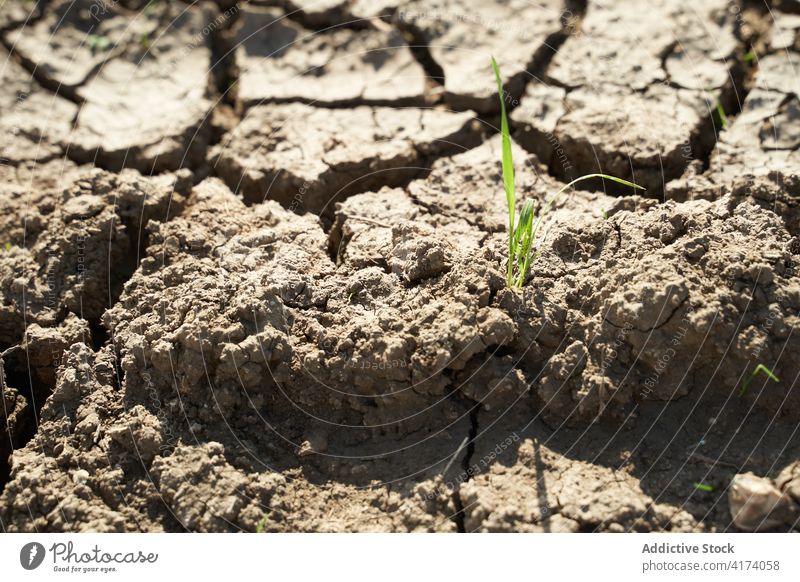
x: 508, y: 174
x: 144, y: 41
x: 261, y: 526
x: 7, y: 246
x: 723, y: 118
x: 750, y: 56
x: 98, y: 43
x: 719, y: 110
x: 604, y: 214
x: 761, y: 368
x: 703, y: 487
x: 522, y: 233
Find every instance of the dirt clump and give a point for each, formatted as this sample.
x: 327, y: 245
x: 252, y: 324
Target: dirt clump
x: 281, y: 60
x: 640, y: 110
x: 307, y: 158
x: 70, y: 251
x: 758, y: 505
x: 34, y: 123
x: 73, y: 39
x: 125, y: 122
x: 756, y: 156
x: 15, y: 423
x: 613, y: 280
x: 523, y: 33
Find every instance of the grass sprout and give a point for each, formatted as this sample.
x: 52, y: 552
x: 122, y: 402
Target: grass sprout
x: 261, y: 526
x: 703, y: 487
x: 719, y: 110
x: 522, y: 232
x: 723, y: 118
x: 98, y: 43
x: 760, y: 369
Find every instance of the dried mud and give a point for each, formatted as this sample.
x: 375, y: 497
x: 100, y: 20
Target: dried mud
x: 253, y: 271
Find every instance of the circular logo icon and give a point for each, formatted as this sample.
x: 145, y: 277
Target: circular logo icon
x: 31, y: 555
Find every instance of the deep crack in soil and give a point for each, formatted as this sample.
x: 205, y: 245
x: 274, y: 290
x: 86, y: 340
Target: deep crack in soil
x: 466, y: 463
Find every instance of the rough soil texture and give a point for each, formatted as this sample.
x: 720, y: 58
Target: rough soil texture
x: 307, y: 158
x: 59, y: 46
x: 17, y: 13
x: 126, y: 120
x: 253, y: 273
x: 631, y: 97
x: 281, y: 60
x: 67, y: 254
x: 76, y: 245
x: 756, y: 157
x: 34, y: 122
x: 523, y: 33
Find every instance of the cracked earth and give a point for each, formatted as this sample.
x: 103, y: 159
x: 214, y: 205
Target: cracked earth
x: 253, y: 266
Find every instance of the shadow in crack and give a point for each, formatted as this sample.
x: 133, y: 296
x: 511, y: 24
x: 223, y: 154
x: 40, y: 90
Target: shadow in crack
x: 639, y: 473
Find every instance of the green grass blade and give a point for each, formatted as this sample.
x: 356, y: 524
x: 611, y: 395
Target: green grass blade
x: 761, y: 368
x: 532, y: 257
x: 508, y: 163
x: 552, y: 200
x: 525, y: 241
x: 525, y: 221
x: 526, y: 214
x: 605, y: 177
x: 508, y: 171
x: 526, y: 229
x: 723, y: 119
x: 767, y: 371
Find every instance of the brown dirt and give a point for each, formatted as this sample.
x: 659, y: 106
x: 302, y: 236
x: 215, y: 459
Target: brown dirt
x: 254, y: 277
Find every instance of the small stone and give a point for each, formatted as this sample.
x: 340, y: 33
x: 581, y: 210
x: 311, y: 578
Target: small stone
x: 80, y: 476
x: 757, y: 505
x: 789, y: 481
x: 305, y: 450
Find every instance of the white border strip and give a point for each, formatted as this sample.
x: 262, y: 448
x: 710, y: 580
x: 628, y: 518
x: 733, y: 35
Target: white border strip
x: 389, y: 558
